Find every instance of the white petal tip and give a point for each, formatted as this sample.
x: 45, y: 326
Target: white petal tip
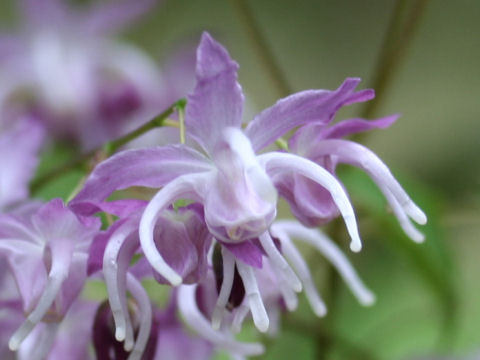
x: 217, y: 318
x: 368, y: 299
x: 320, y: 310
x: 297, y: 287
x: 262, y: 325
x: 120, y: 333
x: 14, y: 344
x: 356, y: 246
x: 416, y: 213
x: 175, y: 280
x: 128, y: 345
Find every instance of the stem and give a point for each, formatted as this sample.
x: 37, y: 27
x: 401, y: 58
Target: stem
x: 262, y: 49
x: 404, y: 22
x: 104, y: 151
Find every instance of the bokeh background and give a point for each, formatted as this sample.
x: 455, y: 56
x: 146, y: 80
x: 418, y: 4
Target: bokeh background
x: 428, y: 296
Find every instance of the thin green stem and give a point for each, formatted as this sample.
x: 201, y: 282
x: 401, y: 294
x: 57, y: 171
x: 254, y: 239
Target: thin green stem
x: 84, y: 160
x: 262, y: 48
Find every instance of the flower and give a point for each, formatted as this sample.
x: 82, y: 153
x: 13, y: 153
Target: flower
x: 47, y: 254
x: 83, y: 83
x: 20, y: 142
x: 321, y: 143
x: 236, y: 187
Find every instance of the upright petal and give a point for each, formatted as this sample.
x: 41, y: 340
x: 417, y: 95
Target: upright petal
x: 217, y: 100
x: 310, y: 106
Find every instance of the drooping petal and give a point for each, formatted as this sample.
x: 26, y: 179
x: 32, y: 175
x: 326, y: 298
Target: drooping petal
x: 217, y: 100
x: 194, y: 318
x: 278, y: 164
x: 311, y: 106
x: 152, y: 167
x: 355, y: 154
x: 331, y: 251
x: 182, y: 187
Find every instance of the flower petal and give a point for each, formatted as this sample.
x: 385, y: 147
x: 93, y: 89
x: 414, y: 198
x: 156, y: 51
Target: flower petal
x: 19, y: 147
x: 311, y: 106
x: 152, y: 167
x: 278, y: 164
x: 352, y: 126
x: 111, y: 16
x: 182, y: 187
x: 217, y: 100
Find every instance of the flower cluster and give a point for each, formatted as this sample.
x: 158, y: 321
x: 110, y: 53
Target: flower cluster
x: 210, y: 230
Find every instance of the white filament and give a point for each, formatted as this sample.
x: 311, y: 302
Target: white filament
x: 358, y: 155
x: 226, y: 289
x: 189, y: 309
x: 279, y: 262
x: 239, y: 316
x: 283, y: 162
x: 259, y: 314
x: 143, y: 301
x: 300, y: 266
x: 115, y: 286
x: 328, y: 248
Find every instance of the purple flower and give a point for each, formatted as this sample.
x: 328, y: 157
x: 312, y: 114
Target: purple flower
x: 196, y: 303
x: 83, y: 83
x: 47, y: 254
x: 235, y: 186
x: 20, y: 142
x: 312, y: 204
x: 113, y: 250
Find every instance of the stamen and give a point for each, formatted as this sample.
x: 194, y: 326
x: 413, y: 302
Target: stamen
x: 259, y: 314
x: 328, y: 248
x: 225, y: 290
x: 143, y: 302
x: 178, y: 188
x: 283, y: 162
x: 279, y: 262
x: 301, y: 267
x: 194, y: 318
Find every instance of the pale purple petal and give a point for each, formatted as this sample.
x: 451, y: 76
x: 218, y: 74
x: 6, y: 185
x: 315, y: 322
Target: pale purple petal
x: 113, y: 15
x: 352, y: 126
x: 247, y: 252
x: 217, y: 101
x: 187, y: 186
x: 240, y: 201
x: 57, y: 223
x: 311, y: 106
x: 153, y: 167
x: 19, y: 148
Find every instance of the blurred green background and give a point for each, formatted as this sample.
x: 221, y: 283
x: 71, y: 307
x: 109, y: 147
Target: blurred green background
x: 427, y: 295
